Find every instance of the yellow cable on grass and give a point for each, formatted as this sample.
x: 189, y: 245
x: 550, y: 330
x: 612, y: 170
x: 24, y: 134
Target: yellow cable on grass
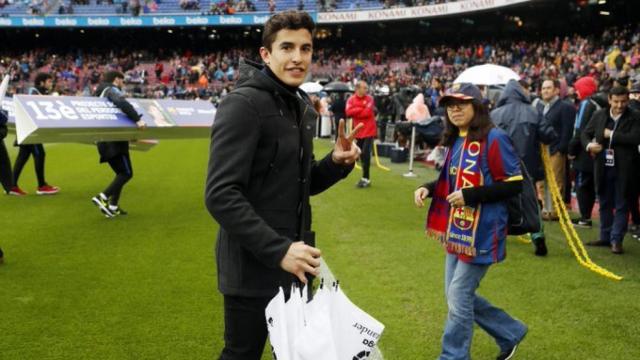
x: 375, y: 150
x: 565, y: 223
x: 375, y: 155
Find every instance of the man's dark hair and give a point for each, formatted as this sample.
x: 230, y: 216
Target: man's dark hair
x: 110, y: 76
x: 556, y: 82
x: 41, y: 78
x: 618, y: 91
x: 286, y: 20
x: 479, y: 126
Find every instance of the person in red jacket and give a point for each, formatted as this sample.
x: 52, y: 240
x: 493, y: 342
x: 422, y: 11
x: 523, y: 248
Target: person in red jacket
x: 361, y: 108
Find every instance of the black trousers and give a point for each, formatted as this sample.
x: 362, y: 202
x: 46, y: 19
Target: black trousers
x: 634, y: 209
x: 585, y: 193
x: 365, y: 157
x: 245, y: 328
x: 37, y: 150
x: 121, y: 165
x: 6, y: 178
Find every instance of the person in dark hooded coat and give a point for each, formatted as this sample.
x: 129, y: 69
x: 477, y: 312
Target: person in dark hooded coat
x: 527, y: 129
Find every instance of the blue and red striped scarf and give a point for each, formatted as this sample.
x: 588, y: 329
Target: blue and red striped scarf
x: 456, y: 228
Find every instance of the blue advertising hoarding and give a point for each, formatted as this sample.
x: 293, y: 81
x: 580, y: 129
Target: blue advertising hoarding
x: 66, y: 21
x: 42, y: 119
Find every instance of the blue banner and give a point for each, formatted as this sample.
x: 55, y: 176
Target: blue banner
x: 40, y: 119
x: 65, y: 21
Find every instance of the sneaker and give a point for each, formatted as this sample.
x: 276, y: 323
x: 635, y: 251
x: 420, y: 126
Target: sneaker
x: 363, y: 183
x: 102, y: 205
x: 541, y: 247
x: 507, y: 354
x: 582, y: 223
x: 1, y: 256
x: 47, y: 190
x: 117, y: 210
x: 16, y: 191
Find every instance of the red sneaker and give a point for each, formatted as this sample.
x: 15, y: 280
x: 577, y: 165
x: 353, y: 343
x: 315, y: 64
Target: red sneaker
x: 16, y: 191
x: 47, y: 190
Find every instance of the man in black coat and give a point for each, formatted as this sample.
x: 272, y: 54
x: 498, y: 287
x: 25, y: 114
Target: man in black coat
x: 582, y: 161
x: 116, y: 153
x: 261, y: 173
x: 612, y: 137
x: 6, y: 176
x: 561, y: 115
x: 634, y: 208
x: 634, y: 96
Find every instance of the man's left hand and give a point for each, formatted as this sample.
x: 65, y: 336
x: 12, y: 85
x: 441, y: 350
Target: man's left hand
x: 345, y: 152
x: 607, y: 133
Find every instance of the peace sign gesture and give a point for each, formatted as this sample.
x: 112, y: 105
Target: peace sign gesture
x: 345, y: 152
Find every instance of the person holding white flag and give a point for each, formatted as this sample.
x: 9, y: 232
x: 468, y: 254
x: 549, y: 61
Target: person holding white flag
x: 260, y: 176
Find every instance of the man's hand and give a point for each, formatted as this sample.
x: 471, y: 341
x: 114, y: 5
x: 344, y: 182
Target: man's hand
x: 456, y: 199
x: 345, y: 152
x: 141, y: 124
x: 594, y: 148
x: 419, y: 196
x: 607, y: 133
x: 301, y: 258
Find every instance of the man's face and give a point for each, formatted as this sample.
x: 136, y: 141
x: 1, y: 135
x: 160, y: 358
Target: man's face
x: 634, y: 96
x: 119, y: 82
x: 618, y: 103
x: 548, y: 91
x: 48, y: 84
x: 290, y: 55
x: 362, y: 89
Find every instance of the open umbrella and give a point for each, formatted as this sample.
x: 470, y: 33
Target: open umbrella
x: 487, y: 74
x: 337, y: 86
x: 277, y: 326
x: 311, y: 87
x: 329, y: 327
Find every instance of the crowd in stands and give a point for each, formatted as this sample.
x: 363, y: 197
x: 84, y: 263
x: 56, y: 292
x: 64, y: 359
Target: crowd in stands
x: 221, y: 7
x: 395, y: 75
x: 613, y: 54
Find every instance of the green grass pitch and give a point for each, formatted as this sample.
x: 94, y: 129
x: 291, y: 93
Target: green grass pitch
x: 78, y: 286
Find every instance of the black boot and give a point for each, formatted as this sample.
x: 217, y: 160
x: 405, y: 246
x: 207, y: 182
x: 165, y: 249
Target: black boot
x: 541, y: 246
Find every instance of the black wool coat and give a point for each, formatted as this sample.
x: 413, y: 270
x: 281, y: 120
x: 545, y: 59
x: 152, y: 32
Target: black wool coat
x: 625, y: 142
x: 260, y: 176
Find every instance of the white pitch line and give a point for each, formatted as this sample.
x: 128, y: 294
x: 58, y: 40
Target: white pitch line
x: 326, y: 273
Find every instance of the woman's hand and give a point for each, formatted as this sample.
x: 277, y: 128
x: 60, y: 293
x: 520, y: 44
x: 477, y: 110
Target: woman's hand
x: 419, y: 196
x: 456, y: 199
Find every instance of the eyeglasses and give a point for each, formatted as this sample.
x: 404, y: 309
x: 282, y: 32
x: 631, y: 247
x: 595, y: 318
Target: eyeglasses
x: 457, y: 105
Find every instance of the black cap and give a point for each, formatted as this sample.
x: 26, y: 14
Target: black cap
x: 462, y: 91
x: 635, y: 88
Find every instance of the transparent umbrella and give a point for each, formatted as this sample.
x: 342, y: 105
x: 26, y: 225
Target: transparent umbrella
x: 487, y: 74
